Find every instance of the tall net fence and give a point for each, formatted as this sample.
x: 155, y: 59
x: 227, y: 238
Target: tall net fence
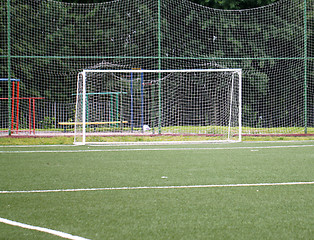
x: 45, y: 44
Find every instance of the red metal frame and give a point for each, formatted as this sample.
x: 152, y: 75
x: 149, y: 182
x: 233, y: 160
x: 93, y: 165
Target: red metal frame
x: 13, y: 105
x: 15, y: 109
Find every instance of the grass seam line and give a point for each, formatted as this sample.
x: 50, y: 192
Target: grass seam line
x: 160, y: 187
x: 41, y: 229
x: 153, y: 149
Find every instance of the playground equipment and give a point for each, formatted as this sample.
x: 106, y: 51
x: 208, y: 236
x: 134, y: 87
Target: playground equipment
x: 15, y: 107
x: 111, y: 94
x: 132, y: 79
x: 112, y: 119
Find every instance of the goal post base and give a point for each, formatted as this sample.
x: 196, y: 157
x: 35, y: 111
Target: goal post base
x: 140, y: 143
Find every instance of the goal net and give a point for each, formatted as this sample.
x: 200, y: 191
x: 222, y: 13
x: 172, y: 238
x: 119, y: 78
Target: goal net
x: 163, y: 105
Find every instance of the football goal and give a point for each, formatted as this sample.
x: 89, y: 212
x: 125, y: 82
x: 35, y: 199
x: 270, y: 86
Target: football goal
x: 158, y: 105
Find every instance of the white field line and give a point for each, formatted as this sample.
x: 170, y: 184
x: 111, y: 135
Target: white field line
x: 160, y: 187
x: 41, y: 229
x: 100, y: 145
x: 155, y: 149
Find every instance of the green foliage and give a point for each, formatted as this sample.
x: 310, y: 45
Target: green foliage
x: 47, y: 122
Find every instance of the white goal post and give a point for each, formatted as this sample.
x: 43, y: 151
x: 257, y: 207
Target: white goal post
x: 164, y: 106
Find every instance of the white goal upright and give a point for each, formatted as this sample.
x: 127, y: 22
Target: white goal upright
x: 160, y: 105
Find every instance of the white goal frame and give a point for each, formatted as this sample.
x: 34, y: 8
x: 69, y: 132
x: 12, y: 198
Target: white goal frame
x: 84, y: 124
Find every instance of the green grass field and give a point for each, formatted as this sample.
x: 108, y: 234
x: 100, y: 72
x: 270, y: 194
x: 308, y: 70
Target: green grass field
x: 107, y: 192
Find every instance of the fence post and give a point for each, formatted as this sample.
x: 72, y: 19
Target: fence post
x: 159, y: 67
x: 305, y: 66
x: 9, y: 63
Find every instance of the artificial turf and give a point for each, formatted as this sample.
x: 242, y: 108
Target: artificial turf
x: 253, y: 212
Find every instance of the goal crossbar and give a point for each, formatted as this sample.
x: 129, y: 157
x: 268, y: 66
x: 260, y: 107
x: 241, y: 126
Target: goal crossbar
x: 237, y: 70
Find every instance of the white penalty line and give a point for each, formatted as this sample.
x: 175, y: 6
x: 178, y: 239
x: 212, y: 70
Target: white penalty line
x: 160, y: 187
x: 41, y: 229
x: 156, y: 149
